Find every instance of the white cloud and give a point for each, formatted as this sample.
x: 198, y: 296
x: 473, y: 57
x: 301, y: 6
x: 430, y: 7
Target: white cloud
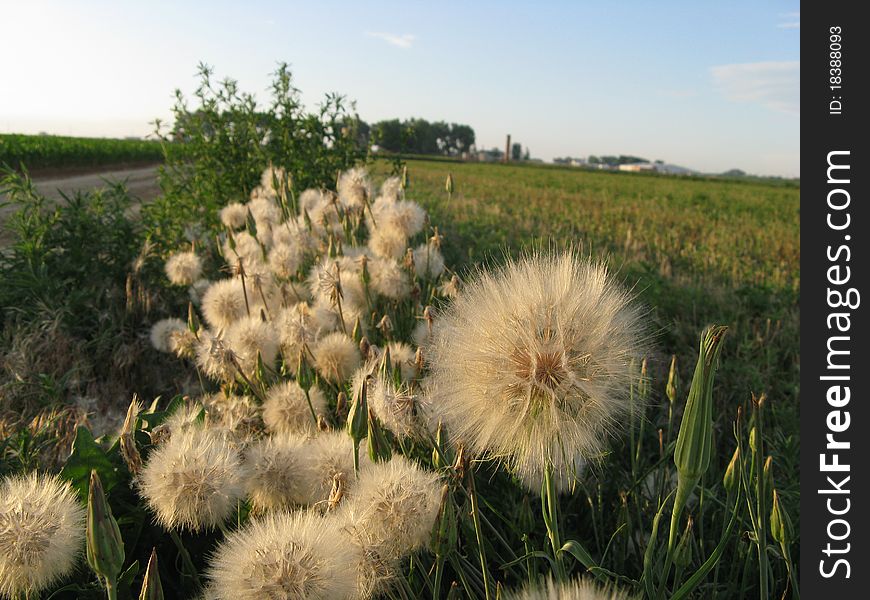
x: 793, y: 20
x: 402, y: 41
x: 774, y: 84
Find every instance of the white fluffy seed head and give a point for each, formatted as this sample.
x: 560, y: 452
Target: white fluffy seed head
x: 183, y: 268
x: 286, y: 408
x: 428, y: 261
x: 284, y: 260
x: 388, y: 242
x: 224, y: 303
x: 193, y: 481
x: 250, y: 336
x: 354, y: 189
x: 389, y: 279
x: 286, y: 556
x: 402, y: 357
x: 163, y: 331
x: 327, y: 458
x: 579, y: 589
x: 393, y: 507
x: 238, y: 415
x: 395, y: 406
x: 336, y: 356
x: 42, y: 533
x: 234, y: 215
x: 391, y: 189
x: 309, y: 200
x: 265, y: 212
x: 532, y: 362
x: 298, y: 327
x: 215, y: 358
x: 272, y: 472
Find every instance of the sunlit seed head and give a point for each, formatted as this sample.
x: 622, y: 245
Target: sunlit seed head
x: 162, y: 333
x: 402, y: 358
x: 354, y: 189
x: 409, y: 217
x: 391, y: 189
x: 183, y: 268
x: 428, y: 261
x: 234, y: 215
x: 531, y: 362
x: 395, y: 406
x: 579, y: 589
x: 272, y: 468
x: 336, y: 356
x: 309, y: 199
x: 327, y: 456
x: 250, y: 336
x: 450, y: 288
x: 284, y: 260
x: 286, y: 409
x: 389, y: 279
x: 298, y: 327
x: 388, y: 242
x: 393, y: 506
x: 41, y: 533
x: 284, y: 556
x: 422, y: 334
x: 239, y: 415
x: 215, y: 358
x: 197, y: 289
x: 193, y: 481
x: 224, y: 303
x: 271, y: 176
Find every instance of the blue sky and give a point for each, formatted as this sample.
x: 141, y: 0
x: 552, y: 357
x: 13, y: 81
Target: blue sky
x: 706, y: 85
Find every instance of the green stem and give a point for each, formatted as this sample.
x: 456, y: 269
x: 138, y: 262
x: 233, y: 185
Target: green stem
x: 475, y: 510
x: 185, y: 558
x: 111, y: 590
x: 549, y: 507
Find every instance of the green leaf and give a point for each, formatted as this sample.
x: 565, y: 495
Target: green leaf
x: 87, y: 455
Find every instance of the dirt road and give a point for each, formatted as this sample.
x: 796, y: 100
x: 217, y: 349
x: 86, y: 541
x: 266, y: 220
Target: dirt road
x: 142, y: 183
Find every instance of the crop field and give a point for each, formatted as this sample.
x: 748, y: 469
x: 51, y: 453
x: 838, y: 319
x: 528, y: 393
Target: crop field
x: 302, y: 373
x: 53, y: 151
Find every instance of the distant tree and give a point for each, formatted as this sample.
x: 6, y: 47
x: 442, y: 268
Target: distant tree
x: 516, y: 151
x: 527, y: 155
x: 594, y: 160
x: 419, y: 136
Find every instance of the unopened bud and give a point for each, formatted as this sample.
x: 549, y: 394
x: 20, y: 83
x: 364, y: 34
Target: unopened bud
x: 378, y: 445
x: 729, y: 481
x: 152, y: 589
x: 673, y: 383
x: 781, y: 528
x: 127, y: 439
x: 105, y: 548
x: 448, y: 185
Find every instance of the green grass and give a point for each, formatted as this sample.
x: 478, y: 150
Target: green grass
x: 53, y: 151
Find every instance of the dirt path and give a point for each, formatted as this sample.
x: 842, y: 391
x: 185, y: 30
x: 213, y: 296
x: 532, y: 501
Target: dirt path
x: 141, y: 182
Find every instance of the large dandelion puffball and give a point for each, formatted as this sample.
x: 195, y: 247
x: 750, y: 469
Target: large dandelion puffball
x: 234, y: 215
x: 389, y: 279
x: 42, y: 533
x: 336, y: 356
x: 392, y: 507
x: 224, y: 303
x: 272, y: 468
x: 163, y: 333
x: 183, y: 268
x: 327, y: 464
x: 287, y: 409
x: 395, y: 406
x: 284, y: 556
x: 531, y: 363
x: 428, y: 261
x: 193, y: 481
x: 579, y: 589
x: 354, y: 189
x: 250, y: 336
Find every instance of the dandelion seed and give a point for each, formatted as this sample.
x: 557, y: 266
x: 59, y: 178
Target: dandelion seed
x: 215, y: 358
x: 284, y: 556
x: 236, y: 414
x: 265, y: 212
x: 393, y: 506
x: 284, y: 260
x: 286, y: 408
x: 42, y: 533
x: 224, y: 303
x: 193, y: 481
x: 183, y: 268
x: 309, y: 199
x: 531, y: 363
x: 335, y: 356
x: 298, y: 327
x: 579, y: 589
x: 272, y: 469
x: 197, y: 289
x: 326, y: 456
x: 392, y: 190
x: 234, y: 215
x: 395, y: 407
x: 388, y: 242
x: 450, y: 289
x: 162, y: 333
x: 402, y: 357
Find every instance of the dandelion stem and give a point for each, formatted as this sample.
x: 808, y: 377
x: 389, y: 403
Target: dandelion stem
x: 185, y: 558
x: 549, y: 507
x: 475, y: 516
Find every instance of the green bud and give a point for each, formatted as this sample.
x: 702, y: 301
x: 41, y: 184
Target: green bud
x: 781, y: 528
x: 729, y: 481
x: 378, y: 445
x: 441, y: 456
x: 683, y: 552
x: 251, y: 224
x: 406, y: 181
x: 753, y: 439
x: 193, y: 323
x: 152, y: 589
x: 357, y: 417
x: 304, y: 374
x: 356, y: 334
x: 448, y: 185
x: 695, y: 440
x: 105, y: 548
x: 444, y: 536
x: 767, y: 474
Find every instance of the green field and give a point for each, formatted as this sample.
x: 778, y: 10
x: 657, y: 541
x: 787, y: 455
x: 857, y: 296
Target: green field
x: 54, y: 151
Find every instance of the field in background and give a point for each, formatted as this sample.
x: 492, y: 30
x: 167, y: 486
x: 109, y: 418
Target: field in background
x: 59, y: 152
x: 695, y: 251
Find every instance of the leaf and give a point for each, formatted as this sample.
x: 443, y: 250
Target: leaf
x: 576, y: 549
x: 87, y: 455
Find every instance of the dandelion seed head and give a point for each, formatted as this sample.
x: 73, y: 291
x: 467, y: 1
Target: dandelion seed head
x: 579, y: 589
x: 327, y: 456
x: 224, y: 303
x: 336, y: 356
x: 284, y: 260
x: 531, y: 363
x: 286, y: 408
x: 388, y: 242
x: 309, y: 199
x: 402, y: 357
x: 393, y: 506
x: 428, y: 261
x: 395, y: 406
x: 183, y: 268
x: 284, y: 556
x: 265, y: 212
x: 162, y: 333
x: 215, y: 358
x: 197, y: 289
x: 193, y: 481
x: 272, y: 469
x: 354, y: 189
x: 42, y: 533
x: 250, y: 336
x: 234, y: 215
x: 238, y: 415
x: 390, y: 279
